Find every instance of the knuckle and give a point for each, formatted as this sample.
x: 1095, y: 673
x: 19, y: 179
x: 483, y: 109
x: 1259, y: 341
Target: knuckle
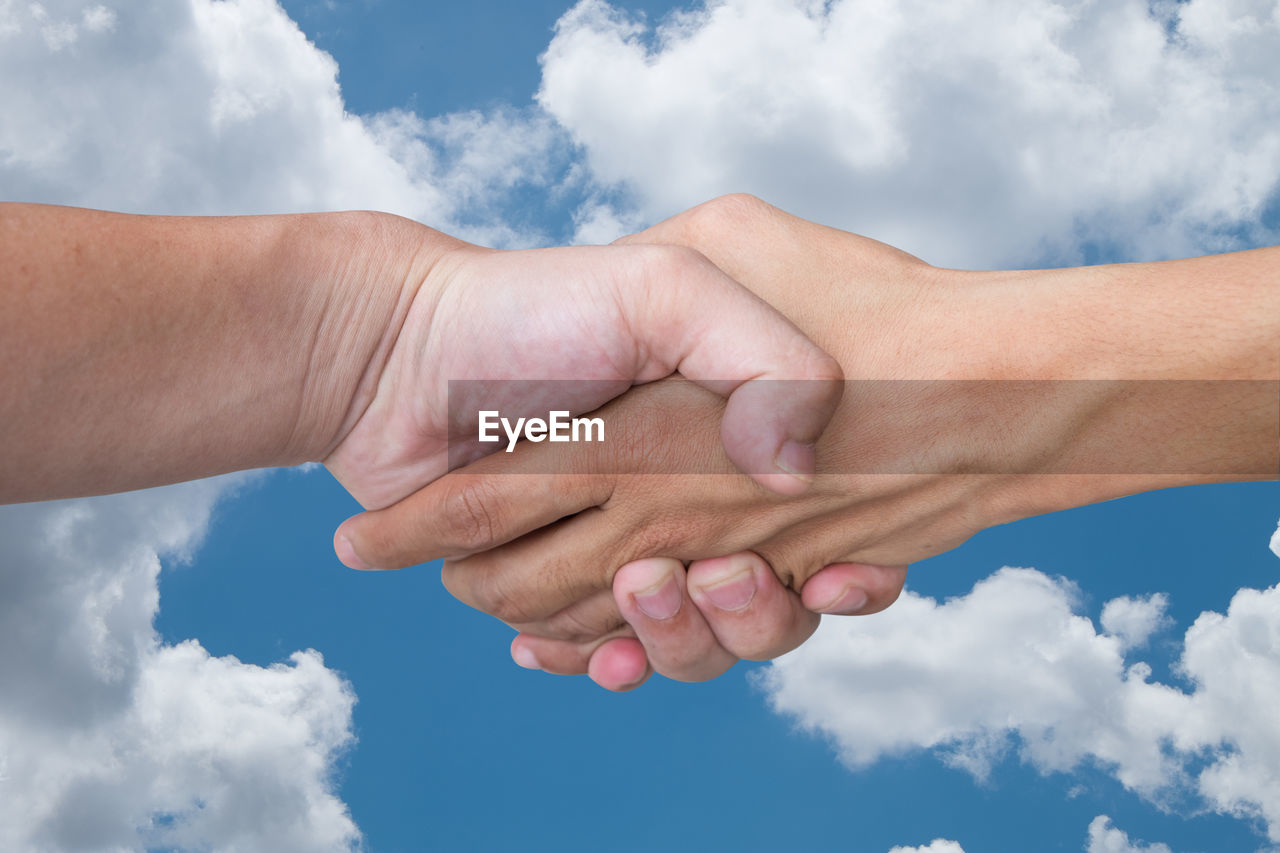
x: 575, y: 625
x: 824, y: 367
x: 693, y: 659
x: 777, y: 637
x: 519, y: 591
x: 889, y: 590
x: 668, y: 261
x: 472, y: 583
x: 741, y: 204
x: 459, y: 580
x: 759, y: 647
x: 657, y: 537
x: 469, y: 515
x: 786, y: 565
x: 690, y: 668
x: 504, y: 601
x: 727, y: 212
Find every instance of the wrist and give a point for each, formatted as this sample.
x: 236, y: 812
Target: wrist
x: 363, y: 270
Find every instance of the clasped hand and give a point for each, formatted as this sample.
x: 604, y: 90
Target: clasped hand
x: 616, y: 561
x: 623, y: 561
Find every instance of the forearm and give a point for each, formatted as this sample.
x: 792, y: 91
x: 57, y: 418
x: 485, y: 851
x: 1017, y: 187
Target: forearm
x: 1174, y: 369
x: 143, y: 350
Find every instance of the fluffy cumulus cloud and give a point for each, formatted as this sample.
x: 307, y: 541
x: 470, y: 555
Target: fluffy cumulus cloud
x: 112, y: 740
x: 1012, y: 667
x: 1134, y: 620
x: 938, y: 845
x: 1105, y: 838
x: 973, y: 132
x: 223, y: 106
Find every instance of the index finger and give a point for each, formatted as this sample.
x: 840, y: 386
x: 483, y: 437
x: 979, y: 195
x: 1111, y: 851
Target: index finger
x: 465, y: 512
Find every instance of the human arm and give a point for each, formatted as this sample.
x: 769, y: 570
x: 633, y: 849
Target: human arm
x: 886, y: 316
x: 142, y: 350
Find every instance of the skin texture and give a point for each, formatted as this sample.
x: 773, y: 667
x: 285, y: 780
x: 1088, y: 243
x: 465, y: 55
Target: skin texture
x: 574, y: 560
x: 145, y: 350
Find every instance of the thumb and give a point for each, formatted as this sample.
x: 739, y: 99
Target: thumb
x: 686, y: 315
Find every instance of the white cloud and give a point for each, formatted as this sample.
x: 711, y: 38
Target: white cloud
x: 938, y: 845
x: 208, y: 107
x: 110, y: 739
x: 1134, y: 620
x: 1105, y: 838
x: 977, y: 132
x: 1275, y: 541
x: 596, y: 222
x: 98, y: 19
x: 1234, y: 661
x: 1012, y: 666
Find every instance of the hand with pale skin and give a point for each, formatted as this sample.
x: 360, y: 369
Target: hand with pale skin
x: 615, y: 566
x: 142, y: 350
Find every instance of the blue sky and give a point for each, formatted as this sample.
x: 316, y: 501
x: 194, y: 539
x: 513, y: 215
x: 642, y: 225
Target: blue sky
x: 456, y: 748
x: 437, y: 57
x: 461, y: 750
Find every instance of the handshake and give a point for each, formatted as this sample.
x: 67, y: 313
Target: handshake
x: 844, y: 409
x: 849, y: 410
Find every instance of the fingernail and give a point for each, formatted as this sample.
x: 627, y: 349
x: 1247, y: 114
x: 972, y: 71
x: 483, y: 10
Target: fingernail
x: 525, y: 657
x: 347, y: 554
x: 734, y: 589
x: 662, y: 600
x: 797, y: 459
x: 847, y: 602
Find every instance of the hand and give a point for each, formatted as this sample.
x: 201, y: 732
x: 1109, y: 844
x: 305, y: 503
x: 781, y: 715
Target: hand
x: 885, y: 315
x: 780, y: 265
x: 571, y: 564
x: 143, y: 350
x: 614, y: 316
x: 708, y: 617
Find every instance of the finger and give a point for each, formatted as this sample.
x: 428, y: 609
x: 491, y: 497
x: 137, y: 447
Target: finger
x: 807, y: 557
x: 782, y: 389
x: 620, y: 664
x: 751, y: 239
x: 539, y: 574
x: 616, y: 662
x: 652, y: 596
x: 491, y: 502
x: 583, y: 621
x: 844, y: 589
x: 536, y: 576
x: 753, y: 616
